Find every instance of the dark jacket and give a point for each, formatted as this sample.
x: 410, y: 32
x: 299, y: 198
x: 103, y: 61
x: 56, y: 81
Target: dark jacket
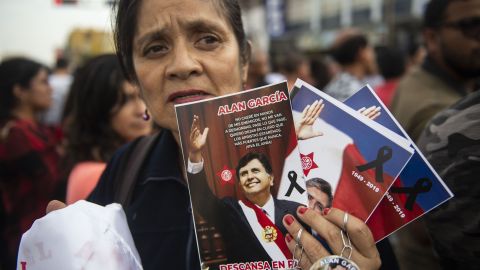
x: 159, y: 215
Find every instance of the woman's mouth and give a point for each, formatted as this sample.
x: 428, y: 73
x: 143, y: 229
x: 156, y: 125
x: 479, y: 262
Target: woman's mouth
x: 188, y: 96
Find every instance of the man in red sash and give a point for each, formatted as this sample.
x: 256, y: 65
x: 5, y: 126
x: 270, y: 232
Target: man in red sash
x: 251, y: 228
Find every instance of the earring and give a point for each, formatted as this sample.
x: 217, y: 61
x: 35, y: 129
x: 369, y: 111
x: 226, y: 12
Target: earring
x: 145, y: 115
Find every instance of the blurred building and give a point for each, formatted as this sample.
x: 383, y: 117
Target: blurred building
x: 311, y: 25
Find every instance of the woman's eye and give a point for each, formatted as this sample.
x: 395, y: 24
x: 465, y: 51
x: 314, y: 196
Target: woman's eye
x: 155, y: 50
x: 208, y: 41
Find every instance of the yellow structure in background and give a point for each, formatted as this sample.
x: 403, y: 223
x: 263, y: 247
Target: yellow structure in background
x: 83, y: 44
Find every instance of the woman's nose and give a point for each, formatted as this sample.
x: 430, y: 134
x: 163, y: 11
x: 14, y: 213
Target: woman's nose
x: 184, y: 62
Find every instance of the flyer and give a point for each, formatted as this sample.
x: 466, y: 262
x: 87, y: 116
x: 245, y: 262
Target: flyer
x: 244, y: 174
x: 417, y: 190
x: 358, y: 158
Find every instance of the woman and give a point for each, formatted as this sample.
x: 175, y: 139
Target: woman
x: 179, y: 51
x: 93, y: 133
x: 29, y: 176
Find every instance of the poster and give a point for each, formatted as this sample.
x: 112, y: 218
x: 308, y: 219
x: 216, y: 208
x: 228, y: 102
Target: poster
x: 358, y: 158
x: 244, y: 174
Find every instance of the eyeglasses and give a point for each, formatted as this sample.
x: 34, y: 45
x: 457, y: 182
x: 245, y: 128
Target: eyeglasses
x: 470, y: 27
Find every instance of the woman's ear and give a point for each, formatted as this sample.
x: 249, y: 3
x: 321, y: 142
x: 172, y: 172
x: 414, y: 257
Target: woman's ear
x: 18, y: 92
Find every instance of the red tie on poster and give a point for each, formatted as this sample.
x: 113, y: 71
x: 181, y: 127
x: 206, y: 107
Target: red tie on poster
x: 266, y: 222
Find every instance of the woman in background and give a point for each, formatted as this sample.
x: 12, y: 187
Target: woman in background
x: 103, y: 111
x: 29, y: 175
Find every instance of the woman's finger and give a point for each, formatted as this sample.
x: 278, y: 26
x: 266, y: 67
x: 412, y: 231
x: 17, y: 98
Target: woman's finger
x: 360, y: 235
x: 54, y: 205
x: 324, y: 228
x: 313, y: 249
x: 298, y: 253
x: 364, y: 252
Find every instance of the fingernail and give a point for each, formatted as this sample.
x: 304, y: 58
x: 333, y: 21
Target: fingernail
x: 326, y: 211
x: 302, y: 210
x: 288, y: 219
x: 288, y: 237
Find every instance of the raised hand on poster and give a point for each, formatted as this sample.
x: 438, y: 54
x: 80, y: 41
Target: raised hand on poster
x: 371, y: 112
x: 304, y: 127
x: 197, y: 140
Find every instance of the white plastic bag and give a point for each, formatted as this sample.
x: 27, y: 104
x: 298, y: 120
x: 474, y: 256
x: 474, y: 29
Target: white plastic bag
x: 80, y: 236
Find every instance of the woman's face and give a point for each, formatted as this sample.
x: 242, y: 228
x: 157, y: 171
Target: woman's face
x: 38, y: 96
x: 127, y: 120
x: 184, y: 50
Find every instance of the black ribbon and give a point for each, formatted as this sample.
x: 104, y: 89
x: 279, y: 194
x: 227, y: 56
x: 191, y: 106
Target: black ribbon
x: 421, y: 186
x: 383, y: 155
x: 292, y: 176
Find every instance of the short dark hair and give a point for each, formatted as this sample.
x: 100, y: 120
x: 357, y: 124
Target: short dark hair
x: 251, y: 156
x: 435, y: 12
x: 15, y: 71
x: 61, y: 63
x: 126, y: 23
x: 346, y: 52
x: 322, y: 185
x: 385, y: 57
x: 292, y: 61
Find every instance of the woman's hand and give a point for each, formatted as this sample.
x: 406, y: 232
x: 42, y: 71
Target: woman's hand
x: 364, y: 252
x: 304, y: 128
x: 54, y: 205
x: 197, y: 140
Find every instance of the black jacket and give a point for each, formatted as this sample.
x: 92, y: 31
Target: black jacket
x: 159, y: 215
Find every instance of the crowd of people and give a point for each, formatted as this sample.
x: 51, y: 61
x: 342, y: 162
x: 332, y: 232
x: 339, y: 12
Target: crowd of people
x: 57, y: 148
x: 62, y: 130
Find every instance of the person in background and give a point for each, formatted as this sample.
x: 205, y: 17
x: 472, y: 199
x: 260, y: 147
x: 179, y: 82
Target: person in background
x: 29, y: 172
x: 450, y: 69
x: 321, y: 70
x: 392, y: 66
x: 295, y: 66
x: 258, y: 69
x: 356, y: 57
x: 179, y: 51
x: 60, y: 81
x: 112, y: 118
x: 416, y: 55
x: 449, y: 72
x: 451, y: 143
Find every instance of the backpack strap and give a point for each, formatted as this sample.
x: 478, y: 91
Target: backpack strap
x: 130, y: 167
